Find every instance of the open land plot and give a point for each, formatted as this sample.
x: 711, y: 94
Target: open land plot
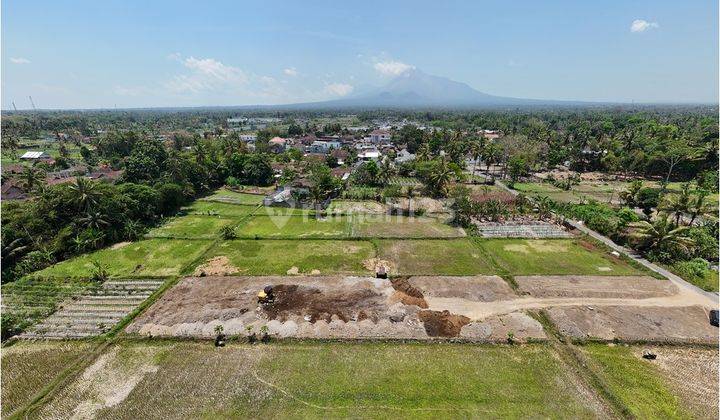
x: 416, y: 205
x: 191, y: 227
x: 289, y: 226
x: 651, y: 389
x: 671, y: 324
x: 395, y: 226
x: 356, y: 207
x: 169, y: 379
x: 332, y: 307
x: 276, y: 257
x: 146, y: 258
x: 691, y: 373
x: 554, y: 257
x: 27, y: 367
x: 452, y: 257
x: 216, y: 208
x: 637, y: 287
x: 228, y: 196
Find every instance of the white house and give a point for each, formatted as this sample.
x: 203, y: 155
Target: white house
x: 35, y: 156
x: 378, y: 136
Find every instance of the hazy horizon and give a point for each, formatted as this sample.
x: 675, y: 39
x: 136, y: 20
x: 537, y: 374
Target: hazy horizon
x: 88, y: 55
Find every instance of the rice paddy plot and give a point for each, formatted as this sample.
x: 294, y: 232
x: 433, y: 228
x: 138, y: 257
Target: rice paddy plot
x: 96, y: 311
x: 293, y: 226
x: 214, y: 208
x: 228, y: 196
x: 451, y: 257
x: 404, y: 181
x: 27, y: 367
x: 396, y: 226
x: 146, y: 258
x: 280, y: 257
x: 191, y: 227
x: 554, y: 256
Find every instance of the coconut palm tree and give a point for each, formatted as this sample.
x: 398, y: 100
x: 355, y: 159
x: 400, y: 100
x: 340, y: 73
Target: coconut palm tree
x: 699, y: 205
x: 660, y: 234
x: 423, y: 152
x: 441, y: 176
x: 678, y: 204
x: 476, y: 150
x: 85, y: 194
x: 31, y: 178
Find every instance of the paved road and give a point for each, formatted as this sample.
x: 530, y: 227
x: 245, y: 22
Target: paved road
x: 711, y: 298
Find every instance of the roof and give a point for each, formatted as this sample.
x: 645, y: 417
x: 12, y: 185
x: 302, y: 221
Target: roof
x: 34, y: 155
x: 277, y: 140
x: 380, y: 132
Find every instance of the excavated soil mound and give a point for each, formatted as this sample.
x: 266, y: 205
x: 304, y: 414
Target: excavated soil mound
x: 442, y: 324
x: 307, y: 301
x: 218, y: 266
x: 407, y: 294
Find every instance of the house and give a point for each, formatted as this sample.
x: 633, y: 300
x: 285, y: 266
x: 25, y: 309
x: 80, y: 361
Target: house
x: 37, y: 156
x: 378, y: 136
x: 248, y: 137
x: 320, y: 146
x: 404, y: 156
x: 369, y: 154
x: 490, y: 134
x: 277, y: 144
x: 12, y: 191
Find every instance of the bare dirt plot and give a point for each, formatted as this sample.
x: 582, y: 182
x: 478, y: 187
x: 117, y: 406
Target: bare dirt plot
x: 423, y: 204
x: 394, y: 226
x: 477, y: 288
x: 310, y: 307
x: 692, y: 373
x: 638, y: 287
x: 635, y: 323
x: 357, y: 207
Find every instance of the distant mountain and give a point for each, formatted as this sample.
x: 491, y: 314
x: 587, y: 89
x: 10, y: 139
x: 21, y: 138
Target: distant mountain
x: 413, y: 88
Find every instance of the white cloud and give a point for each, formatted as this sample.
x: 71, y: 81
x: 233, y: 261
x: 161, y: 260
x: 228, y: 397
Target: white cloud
x: 392, y: 68
x: 207, y: 74
x: 640, y: 25
x: 174, y: 56
x: 19, y: 60
x: 290, y: 71
x: 338, y: 89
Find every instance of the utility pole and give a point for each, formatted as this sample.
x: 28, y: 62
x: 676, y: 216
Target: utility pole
x: 32, y: 103
x: 14, y: 107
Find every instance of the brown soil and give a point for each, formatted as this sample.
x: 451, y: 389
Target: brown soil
x: 634, y: 287
x: 120, y: 245
x: 373, y: 264
x: 406, y: 293
x: 293, y: 299
x: 406, y: 299
x: 442, y: 324
x: 218, y: 266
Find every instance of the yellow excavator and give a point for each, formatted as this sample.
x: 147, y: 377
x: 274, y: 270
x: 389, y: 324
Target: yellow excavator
x: 266, y: 296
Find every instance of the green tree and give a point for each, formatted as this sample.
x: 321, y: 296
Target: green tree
x: 660, y: 236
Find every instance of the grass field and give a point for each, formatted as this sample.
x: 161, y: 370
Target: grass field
x: 289, y: 226
x: 27, y: 367
x: 235, y: 197
x: 220, y: 209
x: 387, y: 226
x: 192, y: 227
x: 274, y: 257
x: 452, y: 257
x: 151, y: 257
x: 634, y: 382
x: 553, y: 256
x: 169, y: 379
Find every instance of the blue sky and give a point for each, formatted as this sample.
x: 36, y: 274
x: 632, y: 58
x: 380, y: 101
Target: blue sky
x: 95, y: 54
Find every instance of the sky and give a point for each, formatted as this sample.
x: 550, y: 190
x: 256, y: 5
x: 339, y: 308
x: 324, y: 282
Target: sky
x: 157, y: 53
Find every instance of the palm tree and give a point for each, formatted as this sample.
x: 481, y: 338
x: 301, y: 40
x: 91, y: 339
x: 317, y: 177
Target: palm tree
x: 476, y: 150
x: 94, y: 220
x: 491, y: 154
x: 699, y: 206
x: 31, y: 178
x: 661, y: 233
x: 410, y: 192
x: 441, y: 176
x: 86, y: 195
x: 678, y: 204
x: 423, y: 152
